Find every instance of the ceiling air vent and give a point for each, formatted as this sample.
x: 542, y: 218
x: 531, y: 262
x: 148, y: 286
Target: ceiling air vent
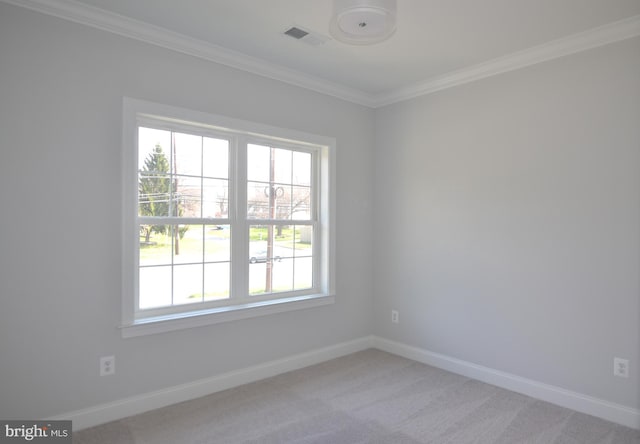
x: 296, y: 33
x: 306, y: 36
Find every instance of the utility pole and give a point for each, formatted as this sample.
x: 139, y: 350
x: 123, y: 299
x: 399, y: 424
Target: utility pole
x: 272, y: 216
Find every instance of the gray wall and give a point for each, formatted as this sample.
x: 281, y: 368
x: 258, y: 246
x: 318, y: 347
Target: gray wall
x: 61, y: 90
x: 508, y: 221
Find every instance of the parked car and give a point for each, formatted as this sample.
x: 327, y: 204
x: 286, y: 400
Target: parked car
x: 261, y: 256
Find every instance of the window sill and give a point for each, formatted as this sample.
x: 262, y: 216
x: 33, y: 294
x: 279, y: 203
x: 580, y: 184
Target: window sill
x: 161, y: 324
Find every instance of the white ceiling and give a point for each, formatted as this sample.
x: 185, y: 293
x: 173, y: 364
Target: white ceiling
x: 434, y: 38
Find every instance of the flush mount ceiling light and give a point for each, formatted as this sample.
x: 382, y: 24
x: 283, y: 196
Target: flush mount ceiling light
x: 363, y: 22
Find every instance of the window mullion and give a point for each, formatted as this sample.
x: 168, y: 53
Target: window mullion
x: 169, y: 220
x: 240, y: 231
x: 172, y: 191
x: 316, y: 196
x: 204, y: 227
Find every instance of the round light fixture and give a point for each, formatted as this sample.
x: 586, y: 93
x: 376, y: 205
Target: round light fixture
x: 363, y: 22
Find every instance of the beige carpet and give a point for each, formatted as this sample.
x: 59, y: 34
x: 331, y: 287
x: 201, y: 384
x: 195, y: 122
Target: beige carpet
x: 367, y: 397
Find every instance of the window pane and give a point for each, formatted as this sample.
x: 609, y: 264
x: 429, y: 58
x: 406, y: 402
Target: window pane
x: 301, y: 203
x: 155, y: 287
x: 154, y: 194
x: 215, y: 158
x: 282, y: 166
x: 283, y: 236
x: 187, y: 199
x: 188, y: 244
x: 282, y: 241
x: 258, y: 241
x: 282, y: 275
x: 217, y: 243
x: 187, y: 155
x: 215, y: 198
x: 271, y: 276
x: 187, y: 284
x: 303, y: 240
x: 154, y: 181
x: 258, y: 200
x: 155, y: 245
x: 262, y: 252
x: 148, y: 140
x: 272, y: 249
x: 258, y: 162
x: 257, y: 278
x: 217, y: 280
x: 301, y: 168
x: 282, y: 202
x: 303, y: 273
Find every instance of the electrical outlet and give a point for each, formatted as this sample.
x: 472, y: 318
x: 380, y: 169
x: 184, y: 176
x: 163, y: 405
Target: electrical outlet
x: 107, y: 365
x: 621, y: 367
x: 395, y: 316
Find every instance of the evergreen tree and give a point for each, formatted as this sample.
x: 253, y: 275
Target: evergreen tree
x: 155, y: 190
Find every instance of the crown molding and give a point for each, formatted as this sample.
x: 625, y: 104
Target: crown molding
x: 593, y: 38
x: 127, y: 27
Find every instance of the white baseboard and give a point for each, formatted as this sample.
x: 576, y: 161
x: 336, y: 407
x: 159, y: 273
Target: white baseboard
x: 610, y: 411
x: 112, y: 411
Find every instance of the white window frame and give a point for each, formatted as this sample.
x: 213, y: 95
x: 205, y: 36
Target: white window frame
x: 240, y: 133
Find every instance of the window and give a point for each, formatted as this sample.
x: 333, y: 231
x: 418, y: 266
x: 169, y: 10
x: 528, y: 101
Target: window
x: 223, y: 219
